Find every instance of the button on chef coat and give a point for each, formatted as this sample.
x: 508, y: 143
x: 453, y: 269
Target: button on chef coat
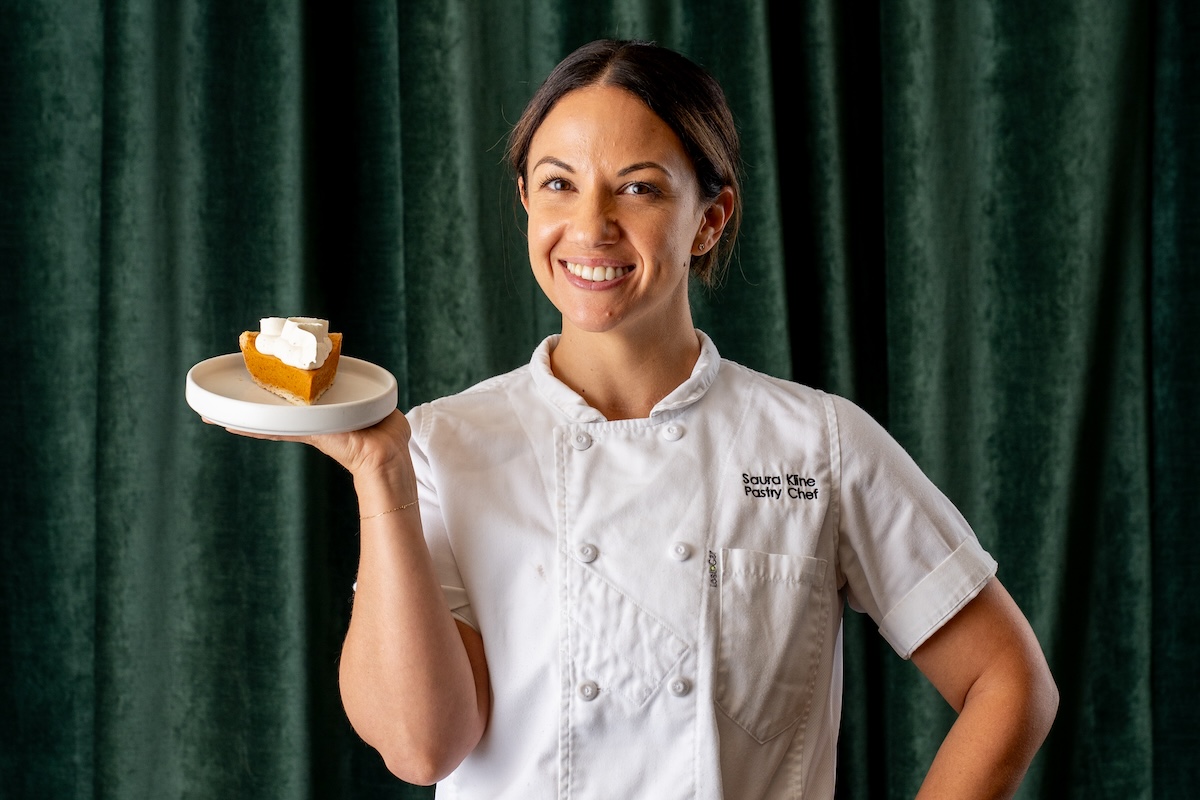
x: 621, y: 667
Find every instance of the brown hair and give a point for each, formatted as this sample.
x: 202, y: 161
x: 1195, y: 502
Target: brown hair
x: 680, y: 92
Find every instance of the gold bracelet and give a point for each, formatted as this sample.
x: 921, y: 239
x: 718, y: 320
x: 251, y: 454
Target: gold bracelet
x: 390, y: 510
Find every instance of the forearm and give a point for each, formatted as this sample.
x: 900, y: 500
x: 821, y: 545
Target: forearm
x: 407, y: 683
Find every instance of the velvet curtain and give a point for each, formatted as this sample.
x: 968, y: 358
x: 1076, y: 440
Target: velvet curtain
x: 973, y: 218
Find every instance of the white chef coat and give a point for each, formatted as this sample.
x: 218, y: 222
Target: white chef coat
x: 660, y: 599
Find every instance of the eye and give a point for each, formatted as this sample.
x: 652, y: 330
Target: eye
x: 556, y: 184
x: 642, y: 188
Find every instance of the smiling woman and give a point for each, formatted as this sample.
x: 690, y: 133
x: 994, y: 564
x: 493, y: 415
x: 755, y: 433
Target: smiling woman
x: 598, y: 549
x: 616, y: 216
x: 681, y: 95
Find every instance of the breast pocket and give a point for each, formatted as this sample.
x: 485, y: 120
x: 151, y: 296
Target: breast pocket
x: 772, y: 621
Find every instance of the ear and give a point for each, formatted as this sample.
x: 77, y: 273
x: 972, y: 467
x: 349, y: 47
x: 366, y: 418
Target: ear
x: 521, y: 191
x: 713, y: 222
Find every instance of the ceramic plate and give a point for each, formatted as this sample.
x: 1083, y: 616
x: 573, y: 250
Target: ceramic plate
x: 220, y: 389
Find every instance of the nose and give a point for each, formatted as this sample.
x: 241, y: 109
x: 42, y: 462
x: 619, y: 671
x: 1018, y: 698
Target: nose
x: 594, y: 221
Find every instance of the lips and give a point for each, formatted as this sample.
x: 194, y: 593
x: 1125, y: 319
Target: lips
x: 596, y: 274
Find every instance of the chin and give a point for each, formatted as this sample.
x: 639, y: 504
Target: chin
x: 592, y: 324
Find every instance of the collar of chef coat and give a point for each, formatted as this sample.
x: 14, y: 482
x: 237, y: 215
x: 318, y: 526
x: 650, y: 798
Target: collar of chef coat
x: 561, y: 396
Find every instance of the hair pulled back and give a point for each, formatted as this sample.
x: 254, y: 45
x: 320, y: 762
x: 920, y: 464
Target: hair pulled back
x: 683, y: 95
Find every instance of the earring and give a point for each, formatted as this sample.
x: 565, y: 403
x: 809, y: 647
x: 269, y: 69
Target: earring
x: 701, y: 246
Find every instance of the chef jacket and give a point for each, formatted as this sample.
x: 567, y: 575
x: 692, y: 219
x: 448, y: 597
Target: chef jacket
x: 660, y: 599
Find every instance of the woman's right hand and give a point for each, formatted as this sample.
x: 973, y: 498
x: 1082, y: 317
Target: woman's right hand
x: 381, y: 449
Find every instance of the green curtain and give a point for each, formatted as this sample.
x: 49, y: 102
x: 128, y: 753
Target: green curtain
x: 975, y: 219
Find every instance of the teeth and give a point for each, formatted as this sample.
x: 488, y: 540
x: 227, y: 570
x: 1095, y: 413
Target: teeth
x: 595, y: 274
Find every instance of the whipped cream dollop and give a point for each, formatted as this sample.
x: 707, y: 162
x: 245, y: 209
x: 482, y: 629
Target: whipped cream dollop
x: 300, y: 342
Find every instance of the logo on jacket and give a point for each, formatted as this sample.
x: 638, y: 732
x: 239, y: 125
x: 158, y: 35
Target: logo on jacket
x: 775, y: 487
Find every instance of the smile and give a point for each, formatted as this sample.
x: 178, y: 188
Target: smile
x: 596, y: 274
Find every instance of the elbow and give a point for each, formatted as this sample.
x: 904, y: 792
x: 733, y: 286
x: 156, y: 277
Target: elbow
x: 1024, y: 692
x: 421, y: 756
x: 1045, y: 701
x: 1033, y: 698
x: 423, y: 725
x: 420, y: 767
x: 420, y: 750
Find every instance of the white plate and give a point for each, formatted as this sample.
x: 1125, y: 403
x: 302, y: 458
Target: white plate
x: 220, y: 389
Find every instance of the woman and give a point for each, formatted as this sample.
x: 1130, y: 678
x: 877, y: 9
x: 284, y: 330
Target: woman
x: 620, y: 570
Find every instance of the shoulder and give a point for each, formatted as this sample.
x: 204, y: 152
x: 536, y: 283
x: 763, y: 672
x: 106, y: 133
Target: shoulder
x: 746, y: 379
x: 488, y: 401
x: 783, y: 411
x: 848, y: 423
x: 775, y: 401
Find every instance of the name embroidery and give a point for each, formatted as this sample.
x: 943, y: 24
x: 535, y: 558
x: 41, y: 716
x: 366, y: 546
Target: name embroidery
x: 775, y: 487
x: 712, y: 569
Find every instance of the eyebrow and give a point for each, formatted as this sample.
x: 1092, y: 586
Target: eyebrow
x: 553, y: 161
x: 623, y: 172
x: 645, y: 165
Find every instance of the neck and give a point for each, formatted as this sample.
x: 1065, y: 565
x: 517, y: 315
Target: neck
x: 623, y: 377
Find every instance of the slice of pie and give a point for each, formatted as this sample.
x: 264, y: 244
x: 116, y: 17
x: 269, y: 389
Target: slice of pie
x: 298, y: 386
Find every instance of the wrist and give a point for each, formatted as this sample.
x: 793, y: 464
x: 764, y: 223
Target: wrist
x: 385, y: 488
x: 392, y: 510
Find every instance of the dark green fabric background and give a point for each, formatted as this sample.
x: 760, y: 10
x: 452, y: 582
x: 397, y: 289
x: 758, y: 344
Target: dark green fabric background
x: 976, y: 219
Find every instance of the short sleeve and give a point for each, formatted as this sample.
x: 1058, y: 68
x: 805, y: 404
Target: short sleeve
x: 907, y: 556
x: 432, y: 522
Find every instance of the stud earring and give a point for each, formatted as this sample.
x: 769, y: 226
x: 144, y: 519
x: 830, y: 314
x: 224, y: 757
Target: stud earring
x: 701, y: 246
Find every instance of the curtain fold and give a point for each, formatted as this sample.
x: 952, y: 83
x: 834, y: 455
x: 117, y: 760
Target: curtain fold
x: 973, y: 219
x: 1174, y: 289
x: 199, y: 585
x: 1016, y: 147
x: 50, y: 173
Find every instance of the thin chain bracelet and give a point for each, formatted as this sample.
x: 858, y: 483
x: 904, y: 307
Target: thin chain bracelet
x: 390, y: 510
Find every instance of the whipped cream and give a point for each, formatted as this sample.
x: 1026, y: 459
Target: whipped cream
x: 300, y: 342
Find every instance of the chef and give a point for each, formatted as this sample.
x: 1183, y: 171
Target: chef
x: 620, y: 570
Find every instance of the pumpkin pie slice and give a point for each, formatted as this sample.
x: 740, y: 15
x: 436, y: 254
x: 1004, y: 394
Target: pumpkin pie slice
x: 297, y: 386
